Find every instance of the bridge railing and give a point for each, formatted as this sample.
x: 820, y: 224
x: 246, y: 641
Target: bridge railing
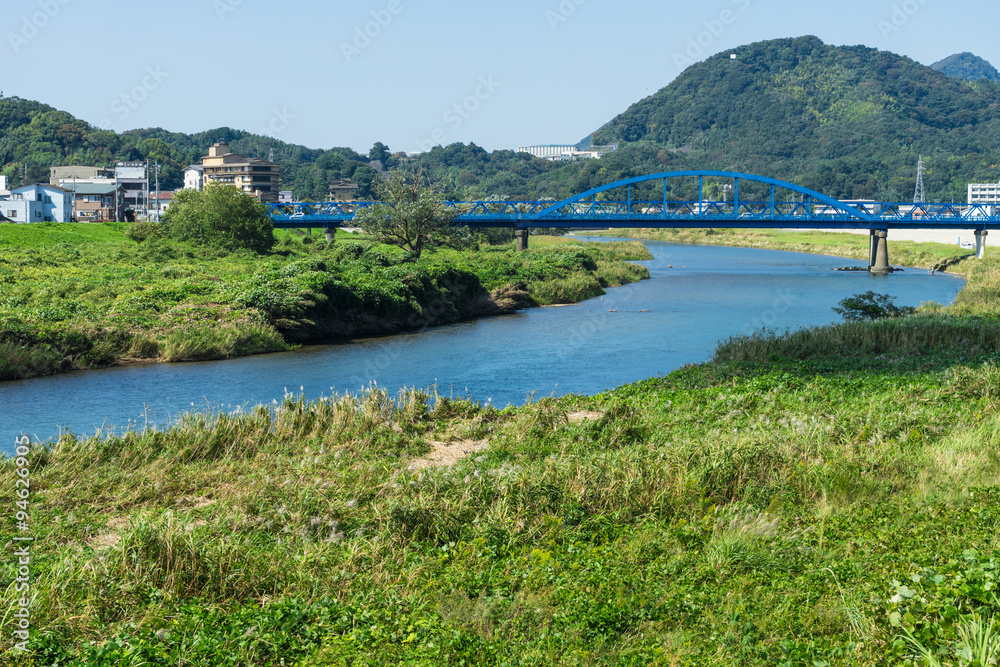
x: 526, y: 213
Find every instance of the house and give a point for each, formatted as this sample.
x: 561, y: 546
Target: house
x: 344, y: 190
x: 194, y: 177
x: 38, y: 203
x: 161, y: 202
x: 95, y: 202
x: 253, y: 176
x: 286, y: 197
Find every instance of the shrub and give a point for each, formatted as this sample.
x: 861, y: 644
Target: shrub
x: 220, y: 217
x: 140, y: 231
x: 870, y: 306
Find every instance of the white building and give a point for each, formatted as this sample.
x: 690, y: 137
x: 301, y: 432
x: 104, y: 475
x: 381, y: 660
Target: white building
x: 194, y: 177
x: 984, y: 193
x: 567, y: 153
x: 38, y: 203
x: 546, y: 152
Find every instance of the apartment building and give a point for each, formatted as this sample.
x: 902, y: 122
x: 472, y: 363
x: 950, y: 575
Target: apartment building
x: 984, y: 193
x: 259, y: 178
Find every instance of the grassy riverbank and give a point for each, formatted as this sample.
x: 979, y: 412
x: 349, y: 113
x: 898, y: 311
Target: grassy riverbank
x: 82, y: 295
x: 807, y: 499
x: 854, y: 246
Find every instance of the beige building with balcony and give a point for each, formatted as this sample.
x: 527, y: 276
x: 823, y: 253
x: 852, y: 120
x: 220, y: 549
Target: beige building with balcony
x: 259, y: 178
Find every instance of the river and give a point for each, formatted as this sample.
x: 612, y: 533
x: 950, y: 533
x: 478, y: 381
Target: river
x: 697, y: 296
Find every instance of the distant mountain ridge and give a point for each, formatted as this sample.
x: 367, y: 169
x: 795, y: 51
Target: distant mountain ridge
x: 967, y: 66
x: 849, y: 120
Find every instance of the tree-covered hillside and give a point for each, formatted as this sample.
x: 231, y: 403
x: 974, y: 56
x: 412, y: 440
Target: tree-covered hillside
x: 849, y: 121
x: 35, y: 136
x: 967, y: 66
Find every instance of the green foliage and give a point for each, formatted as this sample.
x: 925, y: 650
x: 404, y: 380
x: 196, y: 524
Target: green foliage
x: 947, y: 613
x: 411, y: 215
x: 870, y: 306
x: 80, y: 295
x: 142, y: 230
x: 222, y: 217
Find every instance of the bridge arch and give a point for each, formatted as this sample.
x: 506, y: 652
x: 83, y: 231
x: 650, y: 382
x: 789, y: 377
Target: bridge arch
x: 851, y: 212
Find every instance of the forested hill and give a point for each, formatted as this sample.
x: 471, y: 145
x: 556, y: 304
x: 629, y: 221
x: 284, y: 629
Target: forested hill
x: 848, y: 121
x: 35, y: 136
x: 967, y: 66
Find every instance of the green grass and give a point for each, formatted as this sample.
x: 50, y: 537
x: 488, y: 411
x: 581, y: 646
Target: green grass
x: 823, y: 497
x: 82, y: 295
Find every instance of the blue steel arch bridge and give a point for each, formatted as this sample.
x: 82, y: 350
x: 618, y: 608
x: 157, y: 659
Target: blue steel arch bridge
x: 748, y: 202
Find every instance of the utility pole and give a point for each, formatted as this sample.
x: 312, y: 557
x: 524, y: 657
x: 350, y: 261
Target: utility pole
x: 157, y: 191
x: 918, y: 193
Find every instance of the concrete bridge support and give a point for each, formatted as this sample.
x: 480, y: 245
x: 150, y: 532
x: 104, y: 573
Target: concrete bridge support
x: 522, y: 239
x: 880, y: 266
x: 980, y: 243
x: 330, y: 234
x: 872, y: 247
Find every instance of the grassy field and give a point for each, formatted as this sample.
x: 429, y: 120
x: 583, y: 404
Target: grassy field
x: 819, y: 498
x: 855, y: 246
x: 82, y: 295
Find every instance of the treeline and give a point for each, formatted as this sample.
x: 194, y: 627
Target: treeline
x: 35, y: 137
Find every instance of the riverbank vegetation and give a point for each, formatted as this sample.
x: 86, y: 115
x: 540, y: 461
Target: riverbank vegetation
x: 84, y: 295
x: 935, y: 256
x: 824, y: 497
x: 790, y: 503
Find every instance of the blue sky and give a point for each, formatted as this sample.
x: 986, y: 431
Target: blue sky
x: 414, y: 73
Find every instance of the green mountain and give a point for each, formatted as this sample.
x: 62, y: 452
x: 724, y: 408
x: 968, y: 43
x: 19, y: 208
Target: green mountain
x: 848, y: 121
x: 967, y: 66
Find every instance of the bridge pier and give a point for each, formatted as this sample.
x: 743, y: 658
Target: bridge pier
x: 872, y: 247
x: 522, y: 239
x: 880, y: 267
x: 330, y: 234
x: 980, y: 243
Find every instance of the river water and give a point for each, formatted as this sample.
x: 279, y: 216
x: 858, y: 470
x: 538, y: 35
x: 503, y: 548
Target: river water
x: 698, y: 296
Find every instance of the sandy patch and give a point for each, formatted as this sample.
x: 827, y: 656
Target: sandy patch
x: 194, y: 502
x: 445, y: 454
x: 583, y: 415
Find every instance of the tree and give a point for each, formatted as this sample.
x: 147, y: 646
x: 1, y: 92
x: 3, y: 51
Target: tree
x: 871, y: 306
x: 220, y: 216
x: 410, y: 214
x: 379, y: 152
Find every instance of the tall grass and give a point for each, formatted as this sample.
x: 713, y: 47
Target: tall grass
x: 238, y: 339
x: 897, y: 337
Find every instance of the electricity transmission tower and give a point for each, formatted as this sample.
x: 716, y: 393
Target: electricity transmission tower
x: 918, y: 193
